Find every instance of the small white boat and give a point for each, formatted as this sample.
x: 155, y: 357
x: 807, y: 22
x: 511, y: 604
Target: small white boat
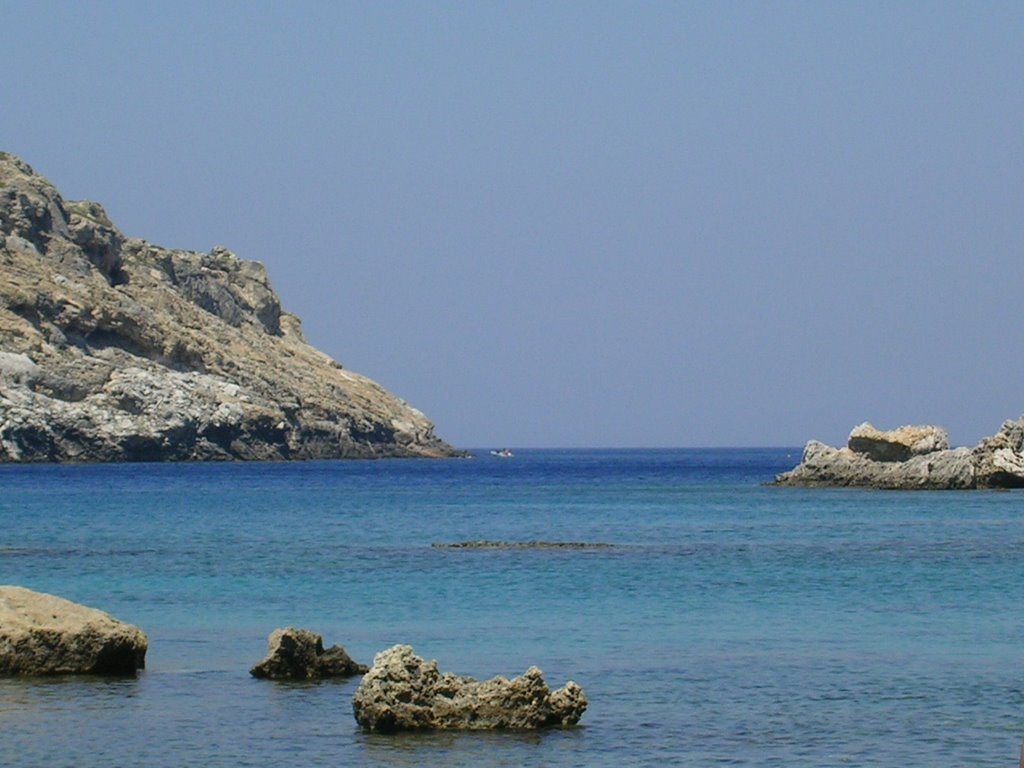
x: 504, y: 453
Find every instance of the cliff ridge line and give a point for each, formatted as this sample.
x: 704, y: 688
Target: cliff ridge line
x: 115, y: 349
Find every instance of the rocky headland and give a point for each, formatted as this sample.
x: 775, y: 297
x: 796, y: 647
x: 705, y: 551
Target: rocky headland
x: 115, y: 349
x: 913, y: 457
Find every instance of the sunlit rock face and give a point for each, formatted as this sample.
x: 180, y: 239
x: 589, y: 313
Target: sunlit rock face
x: 913, y: 457
x: 43, y: 634
x: 897, y: 444
x: 403, y: 692
x: 114, y: 349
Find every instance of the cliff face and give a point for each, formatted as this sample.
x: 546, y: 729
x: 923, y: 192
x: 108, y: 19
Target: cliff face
x: 113, y: 349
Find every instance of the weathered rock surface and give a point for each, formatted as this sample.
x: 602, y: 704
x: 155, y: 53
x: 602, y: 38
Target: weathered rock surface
x: 897, y: 444
x: 298, y: 654
x: 114, y: 349
x: 999, y: 459
x: 41, y: 634
x: 911, y: 458
x: 403, y: 692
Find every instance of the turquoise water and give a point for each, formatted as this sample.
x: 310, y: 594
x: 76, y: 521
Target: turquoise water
x: 733, y: 624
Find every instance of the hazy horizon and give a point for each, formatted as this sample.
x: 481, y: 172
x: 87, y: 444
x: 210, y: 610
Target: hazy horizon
x: 577, y: 225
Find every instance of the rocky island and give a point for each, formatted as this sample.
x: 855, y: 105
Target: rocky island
x: 114, y: 349
x: 913, y: 457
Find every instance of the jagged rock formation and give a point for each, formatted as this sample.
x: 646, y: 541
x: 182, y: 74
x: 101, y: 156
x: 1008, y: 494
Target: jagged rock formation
x: 42, y: 634
x: 403, y: 692
x: 298, y: 654
x: 913, y: 458
x: 113, y: 349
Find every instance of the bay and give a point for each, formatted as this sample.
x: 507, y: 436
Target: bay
x: 730, y: 624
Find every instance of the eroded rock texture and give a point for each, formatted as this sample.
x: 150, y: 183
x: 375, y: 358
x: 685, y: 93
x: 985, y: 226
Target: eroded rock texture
x: 403, y: 692
x: 298, y: 654
x: 42, y: 634
x: 911, y: 458
x: 114, y: 349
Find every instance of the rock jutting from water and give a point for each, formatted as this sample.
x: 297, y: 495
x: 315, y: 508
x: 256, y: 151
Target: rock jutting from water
x: 114, y: 349
x: 42, y: 634
x: 298, y: 654
x: 403, y: 692
x: 913, y: 458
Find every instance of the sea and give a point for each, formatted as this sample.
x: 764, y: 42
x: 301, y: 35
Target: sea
x: 729, y: 623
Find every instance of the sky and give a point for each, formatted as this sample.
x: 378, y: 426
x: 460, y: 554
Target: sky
x: 577, y: 224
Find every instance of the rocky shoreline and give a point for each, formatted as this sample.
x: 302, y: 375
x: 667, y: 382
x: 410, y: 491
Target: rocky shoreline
x: 912, y: 458
x: 115, y: 349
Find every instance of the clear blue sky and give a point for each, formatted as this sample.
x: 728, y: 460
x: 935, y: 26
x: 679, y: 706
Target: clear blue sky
x: 578, y: 224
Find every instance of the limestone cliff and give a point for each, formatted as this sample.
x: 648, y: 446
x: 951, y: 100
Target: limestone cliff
x: 113, y: 349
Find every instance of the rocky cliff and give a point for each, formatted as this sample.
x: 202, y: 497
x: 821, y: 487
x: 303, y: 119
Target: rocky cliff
x: 114, y: 349
x: 913, y: 458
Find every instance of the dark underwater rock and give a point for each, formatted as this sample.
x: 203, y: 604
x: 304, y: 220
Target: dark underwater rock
x: 488, y: 544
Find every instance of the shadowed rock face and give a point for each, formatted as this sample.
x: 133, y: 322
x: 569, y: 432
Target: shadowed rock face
x: 298, y: 654
x: 403, y: 692
x: 913, y: 458
x: 42, y: 634
x: 114, y: 349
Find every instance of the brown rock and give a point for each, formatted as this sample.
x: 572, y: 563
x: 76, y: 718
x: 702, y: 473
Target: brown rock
x: 897, y: 444
x: 41, y: 634
x: 298, y: 654
x: 403, y: 692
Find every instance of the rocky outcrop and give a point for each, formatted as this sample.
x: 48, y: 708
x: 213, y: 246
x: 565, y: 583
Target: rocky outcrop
x: 999, y: 459
x: 114, y: 349
x: 403, y: 692
x: 298, y: 654
x: 911, y: 458
x: 42, y: 634
x: 898, y: 444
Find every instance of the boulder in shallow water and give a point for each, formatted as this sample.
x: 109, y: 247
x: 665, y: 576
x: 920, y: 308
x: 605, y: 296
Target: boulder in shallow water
x: 298, y: 654
x: 403, y: 692
x: 42, y: 634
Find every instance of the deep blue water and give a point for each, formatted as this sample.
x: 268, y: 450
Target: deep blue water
x: 733, y: 623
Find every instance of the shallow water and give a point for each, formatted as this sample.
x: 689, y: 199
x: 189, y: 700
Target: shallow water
x: 732, y: 624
